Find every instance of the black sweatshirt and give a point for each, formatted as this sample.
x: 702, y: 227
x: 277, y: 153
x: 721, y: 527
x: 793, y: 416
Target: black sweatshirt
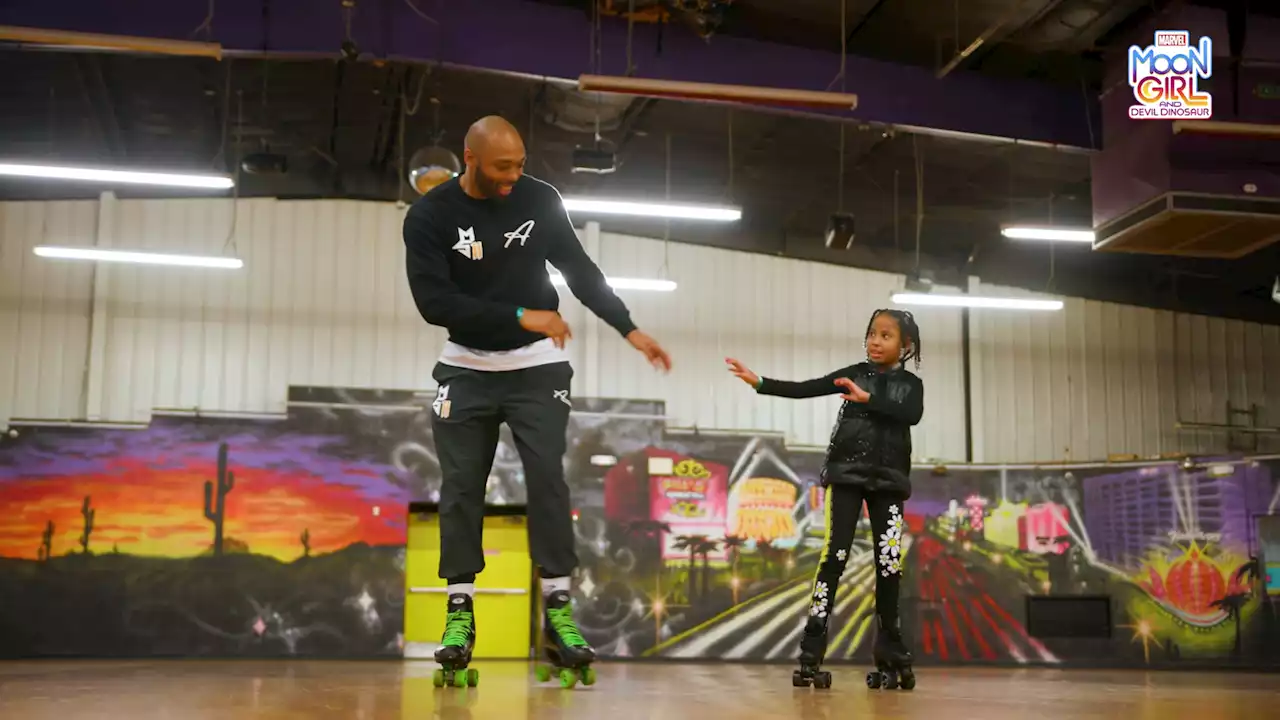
x: 871, y: 444
x: 472, y: 263
x: 903, y: 407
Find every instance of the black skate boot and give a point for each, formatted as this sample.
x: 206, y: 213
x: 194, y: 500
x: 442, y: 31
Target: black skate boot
x: 893, y: 660
x: 813, y: 650
x: 454, y: 653
x: 567, y: 651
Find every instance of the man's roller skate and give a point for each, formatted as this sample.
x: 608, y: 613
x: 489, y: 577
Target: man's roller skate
x: 454, y: 653
x: 813, y: 649
x: 893, y: 661
x: 567, y: 651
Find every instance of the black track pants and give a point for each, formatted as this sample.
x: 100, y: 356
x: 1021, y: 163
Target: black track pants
x: 470, y: 406
x: 842, y: 508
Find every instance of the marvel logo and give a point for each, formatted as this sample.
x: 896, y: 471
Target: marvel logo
x: 1171, y: 39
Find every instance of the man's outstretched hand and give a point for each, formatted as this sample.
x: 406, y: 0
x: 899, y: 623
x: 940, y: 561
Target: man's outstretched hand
x: 651, y: 350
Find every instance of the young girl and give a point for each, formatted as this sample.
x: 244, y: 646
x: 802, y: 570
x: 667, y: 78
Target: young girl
x: 868, y: 459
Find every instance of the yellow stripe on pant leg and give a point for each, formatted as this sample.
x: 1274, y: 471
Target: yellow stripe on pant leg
x: 826, y: 543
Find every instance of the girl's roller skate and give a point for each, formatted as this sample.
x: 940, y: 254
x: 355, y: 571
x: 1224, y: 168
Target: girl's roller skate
x: 568, y: 652
x: 813, y: 649
x: 454, y: 653
x: 893, y: 661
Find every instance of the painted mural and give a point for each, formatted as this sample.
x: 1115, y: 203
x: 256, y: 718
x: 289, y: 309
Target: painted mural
x: 285, y: 537
x: 198, y: 537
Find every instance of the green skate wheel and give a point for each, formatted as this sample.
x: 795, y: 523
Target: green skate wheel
x: 588, y: 676
x: 542, y: 673
x: 460, y: 678
x: 568, y: 678
x: 473, y: 677
x: 437, y: 678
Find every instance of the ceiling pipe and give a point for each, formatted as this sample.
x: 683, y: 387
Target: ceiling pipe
x: 982, y: 39
x: 97, y: 41
x: 715, y: 92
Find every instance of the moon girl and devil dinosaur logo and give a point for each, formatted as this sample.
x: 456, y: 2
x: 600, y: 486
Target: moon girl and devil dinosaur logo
x: 1165, y: 77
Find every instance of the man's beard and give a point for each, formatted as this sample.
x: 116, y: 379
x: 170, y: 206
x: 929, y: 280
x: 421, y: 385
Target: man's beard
x: 488, y: 187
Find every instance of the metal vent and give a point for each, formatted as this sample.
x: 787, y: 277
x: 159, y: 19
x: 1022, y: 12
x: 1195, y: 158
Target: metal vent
x: 1194, y: 225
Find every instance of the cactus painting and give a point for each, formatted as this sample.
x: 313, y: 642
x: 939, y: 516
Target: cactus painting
x: 215, y: 498
x: 306, y: 543
x: 46, y: 543
x: 88, y: 512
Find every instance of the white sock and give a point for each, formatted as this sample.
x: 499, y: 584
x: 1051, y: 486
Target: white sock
x: 468, y: 589
x: 552, y: 585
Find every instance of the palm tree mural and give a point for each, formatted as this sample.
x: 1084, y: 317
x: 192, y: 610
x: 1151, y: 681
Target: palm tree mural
x: 706, y: 546
x: 1248, y: 573
x: 651, y: 529
x: 764, y: 549
x: 774, y: 559
x: 692, y: 544
x: 1232, y: 604
x: 733, y: 544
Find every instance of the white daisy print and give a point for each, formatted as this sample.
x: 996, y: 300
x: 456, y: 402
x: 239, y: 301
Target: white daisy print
x: 818, y: 608
x: 890, y: 544
x: 820, y: 591
x: 841, y: 555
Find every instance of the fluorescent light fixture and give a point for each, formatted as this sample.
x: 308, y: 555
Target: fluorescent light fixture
x: 129, y: 177
x: 976, y: 301
x: 138, y: 258
x: 648, y: 209
x: 626, y: 283
x: 1044, y: 233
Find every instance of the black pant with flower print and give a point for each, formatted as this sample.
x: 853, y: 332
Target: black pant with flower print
x: 843, y: 508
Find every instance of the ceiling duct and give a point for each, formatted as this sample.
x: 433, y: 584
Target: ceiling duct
x: 1199, y: 188
x: 584, y: 112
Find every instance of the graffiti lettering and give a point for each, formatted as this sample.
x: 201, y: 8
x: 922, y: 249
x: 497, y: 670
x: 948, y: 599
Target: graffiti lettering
x: 763, y: 525
x: 684, y: 508
x: 690, y: 468
x: 1184, y: 536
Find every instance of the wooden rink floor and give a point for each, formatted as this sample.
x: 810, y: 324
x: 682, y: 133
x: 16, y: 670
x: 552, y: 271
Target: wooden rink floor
x: 197, y: 689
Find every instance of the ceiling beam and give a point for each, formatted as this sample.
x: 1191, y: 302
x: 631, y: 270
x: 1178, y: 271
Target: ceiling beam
x: 530, y: 38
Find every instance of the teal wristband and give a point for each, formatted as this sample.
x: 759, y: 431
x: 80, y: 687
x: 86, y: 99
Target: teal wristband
x: 519, y: 313
x: 760, y: 383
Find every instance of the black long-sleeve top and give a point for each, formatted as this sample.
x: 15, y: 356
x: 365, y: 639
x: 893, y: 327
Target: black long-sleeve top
x: 903, y: 402
x: 871, y: 443
x: 472, y: 263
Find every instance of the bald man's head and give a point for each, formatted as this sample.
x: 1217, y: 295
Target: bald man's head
x: 494, y: 156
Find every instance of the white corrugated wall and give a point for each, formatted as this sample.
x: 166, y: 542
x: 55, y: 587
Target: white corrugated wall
x: 322, y: 300
x: 1100, y: 379
x: 784, y: 318
x: 44, y: 310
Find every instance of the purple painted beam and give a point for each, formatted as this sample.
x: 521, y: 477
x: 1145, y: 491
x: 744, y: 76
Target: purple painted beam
x: 544, y: 40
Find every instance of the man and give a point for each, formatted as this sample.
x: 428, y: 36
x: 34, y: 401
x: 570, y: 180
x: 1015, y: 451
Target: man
x: 476, y: 253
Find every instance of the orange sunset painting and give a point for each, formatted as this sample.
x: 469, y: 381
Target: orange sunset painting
x: 235, y: 536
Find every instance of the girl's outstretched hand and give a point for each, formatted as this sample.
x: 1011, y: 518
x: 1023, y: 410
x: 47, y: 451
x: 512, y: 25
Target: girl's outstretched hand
x: 855, y: 393
x: 739, y: 370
